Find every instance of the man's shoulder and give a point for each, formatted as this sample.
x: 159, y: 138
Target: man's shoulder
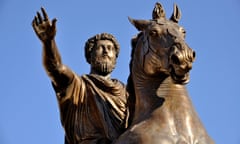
x: 117, y: 81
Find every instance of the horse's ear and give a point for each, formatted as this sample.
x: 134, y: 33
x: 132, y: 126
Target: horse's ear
x: 139, y: 24
x: 158, y: 12
x: 176, y: 14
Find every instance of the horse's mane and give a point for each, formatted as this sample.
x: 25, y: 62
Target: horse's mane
x: 130, y: 85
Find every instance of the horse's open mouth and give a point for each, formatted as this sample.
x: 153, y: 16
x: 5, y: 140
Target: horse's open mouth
x: 180, y: 79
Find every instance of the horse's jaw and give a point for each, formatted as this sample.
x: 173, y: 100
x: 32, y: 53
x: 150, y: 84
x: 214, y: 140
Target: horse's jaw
x: 180, y: 79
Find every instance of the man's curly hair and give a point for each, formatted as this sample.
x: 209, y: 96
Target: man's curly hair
x: 90, y: 43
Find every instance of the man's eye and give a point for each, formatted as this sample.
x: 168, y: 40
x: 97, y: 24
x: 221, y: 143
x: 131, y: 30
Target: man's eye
x: 109, y: 47
x: 99, y: 47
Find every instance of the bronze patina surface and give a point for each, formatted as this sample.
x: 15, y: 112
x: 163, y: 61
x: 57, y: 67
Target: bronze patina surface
x: 160, y: 65
x: 92, y: 106
x: 154, y: 108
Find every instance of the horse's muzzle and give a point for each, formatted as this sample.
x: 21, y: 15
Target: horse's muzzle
x: 181, y: 61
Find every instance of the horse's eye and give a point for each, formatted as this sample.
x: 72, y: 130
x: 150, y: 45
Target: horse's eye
x: 184, y: 34
x: 183, y: 31
x: 153, y: 33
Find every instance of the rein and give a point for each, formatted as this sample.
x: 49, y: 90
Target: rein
x: 146, y: 42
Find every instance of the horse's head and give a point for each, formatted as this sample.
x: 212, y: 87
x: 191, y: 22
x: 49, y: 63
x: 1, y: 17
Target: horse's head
x: 163, y: 46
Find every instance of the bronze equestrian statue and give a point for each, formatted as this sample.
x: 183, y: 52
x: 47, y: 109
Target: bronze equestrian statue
x: 159, y: 69
x: 93, y: 106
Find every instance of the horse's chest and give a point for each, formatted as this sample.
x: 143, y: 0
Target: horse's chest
x: 171, y: 126
x: 163, y: 132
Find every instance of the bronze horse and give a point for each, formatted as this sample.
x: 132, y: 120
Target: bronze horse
x: 159, y: 69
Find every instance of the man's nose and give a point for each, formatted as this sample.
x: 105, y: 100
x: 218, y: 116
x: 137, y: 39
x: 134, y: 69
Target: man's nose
x: 105, y: 50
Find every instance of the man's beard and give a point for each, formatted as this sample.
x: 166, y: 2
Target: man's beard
x: 103, y: 65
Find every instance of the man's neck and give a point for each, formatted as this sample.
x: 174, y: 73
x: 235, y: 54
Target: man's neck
x: 107, y: 76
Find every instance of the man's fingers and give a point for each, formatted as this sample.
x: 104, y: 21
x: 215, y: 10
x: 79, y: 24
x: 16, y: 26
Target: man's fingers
x: 35, y: 24
x: 39, y: 17
x: 54, y: 23
x: 45, y: 16
x: 35, y: 21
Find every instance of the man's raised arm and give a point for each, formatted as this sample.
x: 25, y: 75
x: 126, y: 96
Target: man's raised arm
x: 46, y: 31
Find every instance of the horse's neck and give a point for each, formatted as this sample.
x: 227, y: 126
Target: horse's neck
x: 145, y: 89
x: 151, y: 93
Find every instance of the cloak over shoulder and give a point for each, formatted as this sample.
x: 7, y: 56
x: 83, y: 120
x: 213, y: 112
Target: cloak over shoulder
x: 93, y: 109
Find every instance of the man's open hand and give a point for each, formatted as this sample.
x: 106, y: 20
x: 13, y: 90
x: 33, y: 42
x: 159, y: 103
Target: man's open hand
x: 43, y: 27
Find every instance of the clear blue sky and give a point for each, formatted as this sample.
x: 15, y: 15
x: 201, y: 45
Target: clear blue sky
x: 28, y: 108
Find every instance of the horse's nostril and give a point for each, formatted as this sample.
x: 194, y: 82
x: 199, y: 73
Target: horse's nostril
x: 194, y: 54
x: 175, y: 59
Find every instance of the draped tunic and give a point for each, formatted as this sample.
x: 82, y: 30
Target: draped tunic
x: 92, y: 109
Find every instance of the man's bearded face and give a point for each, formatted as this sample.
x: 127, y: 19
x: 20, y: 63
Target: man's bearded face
x: 103, y: 57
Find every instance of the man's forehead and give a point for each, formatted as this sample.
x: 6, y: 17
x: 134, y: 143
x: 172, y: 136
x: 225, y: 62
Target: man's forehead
x: 105, y: 41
